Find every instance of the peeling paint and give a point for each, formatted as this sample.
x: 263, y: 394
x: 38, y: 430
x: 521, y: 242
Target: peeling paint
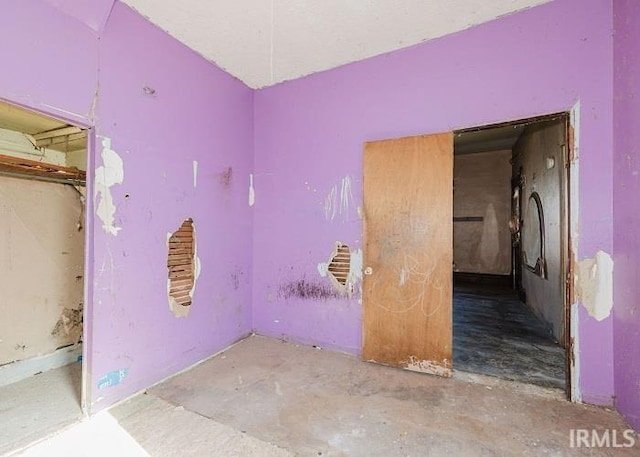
x: 110, y: 173
x: 594, y: 285
x: 195, y: 174
x: 112, y: 378
x: 574, y: 125
x: 404, y: 273
x: 69, y: 326
x: 428, y: 366
x: 355, y: 270
x: 252, y: 191
x: 334, y: 206
x: 323, y: 269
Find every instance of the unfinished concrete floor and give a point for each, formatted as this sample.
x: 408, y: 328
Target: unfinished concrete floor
x: 264, y: 397
x: 35, y: 407
x: 495, y: 334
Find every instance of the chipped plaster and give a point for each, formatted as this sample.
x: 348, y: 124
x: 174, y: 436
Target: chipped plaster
x: 110, y: 173
x: 252, y: 191
x: 177, y: 309
x: 594, y: 285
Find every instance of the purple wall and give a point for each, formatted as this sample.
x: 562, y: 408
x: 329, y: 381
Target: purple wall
x: 309, y: 134
x: 198, y: 112
x: 626, y: 242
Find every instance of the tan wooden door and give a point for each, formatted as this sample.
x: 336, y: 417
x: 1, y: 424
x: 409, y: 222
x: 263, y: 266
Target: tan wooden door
x: 408, y: 253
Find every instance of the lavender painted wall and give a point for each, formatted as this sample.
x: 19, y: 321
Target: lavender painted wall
x: 626, y: 242
x: 308, y: 137
x: 309, y: 134
x: 49, y: 60
x: 197, y: 112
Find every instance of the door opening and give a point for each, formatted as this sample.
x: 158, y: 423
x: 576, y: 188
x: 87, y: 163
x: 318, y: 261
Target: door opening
x: 42, y: 235
x: 511, y: 251
x: 500, y: 218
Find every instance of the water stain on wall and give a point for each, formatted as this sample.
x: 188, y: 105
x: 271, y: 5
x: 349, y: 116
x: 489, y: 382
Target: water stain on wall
x: 307, y: 290
x: 110, y: 173
x: 226, y: 178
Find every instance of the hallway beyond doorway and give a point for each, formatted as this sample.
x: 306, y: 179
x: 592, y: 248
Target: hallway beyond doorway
x: 495, y: 334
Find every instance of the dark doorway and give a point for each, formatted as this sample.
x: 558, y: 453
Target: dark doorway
x: 509, y: 251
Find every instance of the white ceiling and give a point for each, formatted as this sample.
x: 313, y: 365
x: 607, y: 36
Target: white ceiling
x: 264, y: 42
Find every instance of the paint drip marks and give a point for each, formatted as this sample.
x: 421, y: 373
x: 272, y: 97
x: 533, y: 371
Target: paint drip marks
x: 594, y: 285
x: 307, y: 290
x: 110, y: 173
x: 339, y: 202
x: 113, y: 378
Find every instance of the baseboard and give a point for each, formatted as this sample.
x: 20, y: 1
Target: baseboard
x: 22, y: 369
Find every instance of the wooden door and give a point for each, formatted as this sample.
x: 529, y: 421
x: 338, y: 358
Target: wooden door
x: 408, y: 253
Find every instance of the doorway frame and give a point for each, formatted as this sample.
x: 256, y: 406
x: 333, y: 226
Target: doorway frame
x: 569, y: 233
x: 87, y: 308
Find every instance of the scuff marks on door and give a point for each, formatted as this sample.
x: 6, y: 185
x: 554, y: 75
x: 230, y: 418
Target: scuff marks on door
x: 110, y: 173
x: 428, y: 366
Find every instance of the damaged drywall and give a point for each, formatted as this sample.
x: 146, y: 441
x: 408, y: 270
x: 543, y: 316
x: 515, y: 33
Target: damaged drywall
x: 594, y: 285
x: 183, y: 266
x: 252, y: 191
x: 110, y: 173
x: 195, y: 174
x: 42, y: 265
x: 69, y: 326
x: 428, y: 366
x: 344, y: 268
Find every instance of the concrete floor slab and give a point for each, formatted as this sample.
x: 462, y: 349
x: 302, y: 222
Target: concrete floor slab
x: 314, y: 402
x: 264, y: 397
x: 35, y: 407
